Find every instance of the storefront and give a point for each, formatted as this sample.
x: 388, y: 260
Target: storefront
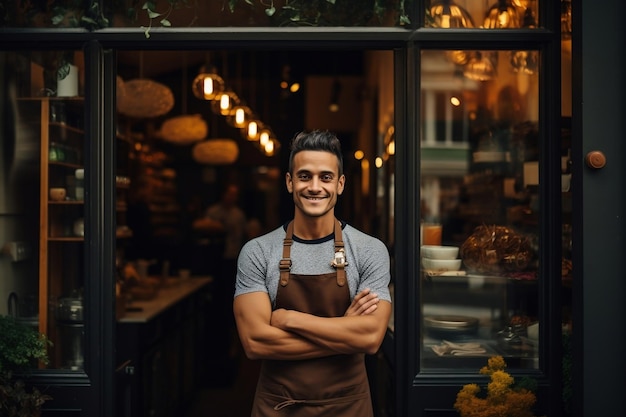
x: 468, y: 128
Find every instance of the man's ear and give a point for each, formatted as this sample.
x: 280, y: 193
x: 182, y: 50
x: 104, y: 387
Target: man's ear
x: 289, y: 183
x: 341, y: 184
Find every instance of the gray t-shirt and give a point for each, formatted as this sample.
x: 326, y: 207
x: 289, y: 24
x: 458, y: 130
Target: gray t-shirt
x: 367, y: 257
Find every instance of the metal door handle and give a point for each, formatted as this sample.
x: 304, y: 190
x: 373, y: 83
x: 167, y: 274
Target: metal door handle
x: 595, y: 160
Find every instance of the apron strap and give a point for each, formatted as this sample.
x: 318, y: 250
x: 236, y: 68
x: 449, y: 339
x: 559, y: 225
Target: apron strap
x: 285, y: 262
x: 339, y: 261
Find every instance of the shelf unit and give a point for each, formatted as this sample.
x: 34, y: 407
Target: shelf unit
x: 61, y: 243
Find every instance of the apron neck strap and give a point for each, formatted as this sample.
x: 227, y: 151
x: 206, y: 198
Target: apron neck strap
x: 285, y: 262
x: 339, y: 260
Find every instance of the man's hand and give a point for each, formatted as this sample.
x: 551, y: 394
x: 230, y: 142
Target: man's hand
x: 365, y: 302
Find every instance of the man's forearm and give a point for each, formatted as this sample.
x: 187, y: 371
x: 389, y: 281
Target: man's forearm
x: 353, y: 334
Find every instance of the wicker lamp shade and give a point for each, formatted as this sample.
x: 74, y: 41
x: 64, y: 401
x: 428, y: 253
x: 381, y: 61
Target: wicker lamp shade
x: 145, y: 98
x: 184, y: 130
x: 216, y: 152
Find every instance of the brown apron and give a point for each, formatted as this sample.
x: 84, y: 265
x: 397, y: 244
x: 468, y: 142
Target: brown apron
x: 332, y: 386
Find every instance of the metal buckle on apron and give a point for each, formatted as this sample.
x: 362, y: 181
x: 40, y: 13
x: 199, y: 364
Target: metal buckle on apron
x: 339, y: 261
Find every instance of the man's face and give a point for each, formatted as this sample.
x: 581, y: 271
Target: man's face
x: 315, y: 182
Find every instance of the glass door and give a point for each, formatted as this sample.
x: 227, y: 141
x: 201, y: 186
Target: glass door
x: 480, y: 209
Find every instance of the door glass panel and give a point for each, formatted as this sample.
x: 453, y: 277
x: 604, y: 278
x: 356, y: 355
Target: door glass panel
x: 42, y: 197
x: 480, y: 208
x: 490, y: 14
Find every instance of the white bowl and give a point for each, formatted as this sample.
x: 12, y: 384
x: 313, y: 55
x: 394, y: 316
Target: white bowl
x: 441, y: 265
x: 440, y: 252
x: 533, y: 331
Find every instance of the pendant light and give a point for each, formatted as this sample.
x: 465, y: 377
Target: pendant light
x: 251, y: 130
x: 144, y: 98
x: 184, y: 129
x: 221, y: 151
x: 207, y: 85
x: 240, y: 114
x: 446, y: 14
x: 225, y: 102
x: 502, y: 15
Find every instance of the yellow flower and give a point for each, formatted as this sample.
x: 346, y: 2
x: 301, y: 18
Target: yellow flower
x: 502, y: 400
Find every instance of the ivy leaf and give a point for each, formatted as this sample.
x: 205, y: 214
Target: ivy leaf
x: 250, y: 2
x: 57, y: 19
x: 146, y: 31
x: 153, y: 15
x: 270, y: 11
x: 404, y: 20
x: 330, y: 1
x: 63, y: 71
x: 166, y: 22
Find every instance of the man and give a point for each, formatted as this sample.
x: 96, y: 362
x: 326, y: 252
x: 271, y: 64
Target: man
x: 312, y: 296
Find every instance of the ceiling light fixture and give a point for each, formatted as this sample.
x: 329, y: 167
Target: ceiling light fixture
x: 207, y: 85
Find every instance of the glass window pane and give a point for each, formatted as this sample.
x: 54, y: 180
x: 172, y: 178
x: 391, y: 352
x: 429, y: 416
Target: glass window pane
x: 41, y: 196
x: 479, y: 200
x: 494, y: 14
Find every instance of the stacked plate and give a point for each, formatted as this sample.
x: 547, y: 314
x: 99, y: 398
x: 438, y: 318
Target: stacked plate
x: 440, y: 259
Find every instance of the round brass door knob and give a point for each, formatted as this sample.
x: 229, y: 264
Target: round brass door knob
x: 595, y: 160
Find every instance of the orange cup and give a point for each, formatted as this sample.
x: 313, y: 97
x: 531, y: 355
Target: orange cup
x: 431, y: 234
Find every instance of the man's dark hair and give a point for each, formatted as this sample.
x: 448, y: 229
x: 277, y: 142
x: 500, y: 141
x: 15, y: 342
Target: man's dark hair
x: 316, y: 140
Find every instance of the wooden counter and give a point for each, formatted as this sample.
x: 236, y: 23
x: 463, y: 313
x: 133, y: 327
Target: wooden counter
x: 161, y: 349
x: 175, y: 290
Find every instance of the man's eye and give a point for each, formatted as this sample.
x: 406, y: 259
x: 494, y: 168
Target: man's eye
x: 303, y: 177
x: 327, y: 178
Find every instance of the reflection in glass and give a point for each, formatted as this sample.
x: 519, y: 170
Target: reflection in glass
x: 446, y: 14
x: 494, y: 14
x: 479, y: 186
x: 502, y: 15
x: 481, y: 66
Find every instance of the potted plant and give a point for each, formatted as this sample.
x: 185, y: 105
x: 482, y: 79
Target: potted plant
x: 21, y: 349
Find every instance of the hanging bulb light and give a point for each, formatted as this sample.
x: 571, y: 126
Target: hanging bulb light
x: 252, y: 131
x: 269, y: 148
x: 239, y: 116
x: 207, y: 85
x: 224, y: 103
x: 502, y: 15
x: 446, y: 14
x: 264, y: 137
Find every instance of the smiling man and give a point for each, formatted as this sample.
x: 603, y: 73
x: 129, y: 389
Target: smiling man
x: 312, y: 296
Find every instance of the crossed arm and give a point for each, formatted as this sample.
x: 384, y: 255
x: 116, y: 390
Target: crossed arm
x: 289, y: 334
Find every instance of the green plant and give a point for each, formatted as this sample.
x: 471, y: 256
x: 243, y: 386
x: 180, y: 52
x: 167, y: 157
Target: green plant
x: 327, y: 12
x: 21, y: 349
